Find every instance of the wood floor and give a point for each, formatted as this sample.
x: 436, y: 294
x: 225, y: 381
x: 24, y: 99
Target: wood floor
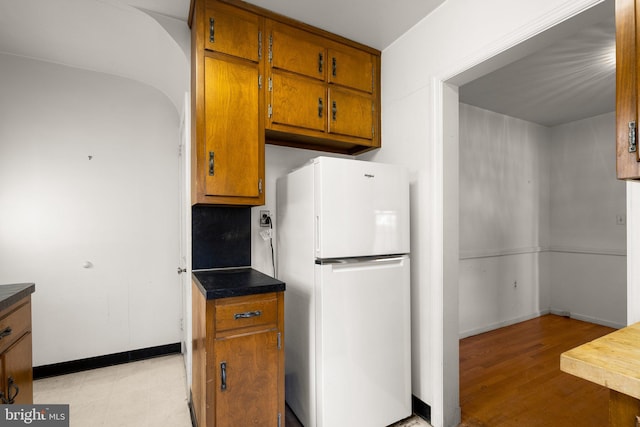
x: 511, y: 377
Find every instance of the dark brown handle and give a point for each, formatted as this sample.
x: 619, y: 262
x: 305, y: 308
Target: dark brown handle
x: 334, y: 110
x: 223, y: 376
x: 320, y: 62
x: 212, y: 23
x: 10, y: 399
x: 334, y: 67
x: 5, y: 332
x: 320, y: 107
x: 210, y: 163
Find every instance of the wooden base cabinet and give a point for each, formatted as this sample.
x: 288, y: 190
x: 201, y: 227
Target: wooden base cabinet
x: 238, y: 360
x: 16, y: 372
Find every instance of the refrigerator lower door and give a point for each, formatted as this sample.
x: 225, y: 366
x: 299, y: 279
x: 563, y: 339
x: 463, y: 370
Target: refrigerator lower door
x: 363, y: 343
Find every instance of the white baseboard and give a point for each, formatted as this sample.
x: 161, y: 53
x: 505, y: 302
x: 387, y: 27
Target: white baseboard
x: 589, y: 319
x: 491, y: 327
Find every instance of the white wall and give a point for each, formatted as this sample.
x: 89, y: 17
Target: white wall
x: 454, y: 38
x: 588, y: 247
x: 117, y: 210
x: 538, y: 221
x: 504, y: 219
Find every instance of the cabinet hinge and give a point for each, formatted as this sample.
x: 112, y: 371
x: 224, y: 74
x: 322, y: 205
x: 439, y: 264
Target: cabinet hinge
x: 269, y: 111
x: 373, y: 78
x: 270, y: 85
x: 270, y: 47
x: 279, y: 340
x: 373, y: 131
x: 259, y: 45
x: 260, y: 81
x: 260, y: 185
x: 279, y: 419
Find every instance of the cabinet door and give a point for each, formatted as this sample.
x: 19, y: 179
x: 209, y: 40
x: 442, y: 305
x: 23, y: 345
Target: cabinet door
x: 350, y: 114
x: 232, y: 31
x: 18, y: 374
x: 298, y: 102
x: 232, y: 136
x: 351, y: 68
x: 246, y: 383
x: 627, y: 156
x: 297, y: 51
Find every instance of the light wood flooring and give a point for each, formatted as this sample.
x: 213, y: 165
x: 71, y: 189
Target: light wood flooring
x: 511, y: 377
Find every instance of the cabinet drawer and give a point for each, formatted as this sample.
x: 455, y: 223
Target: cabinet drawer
x: 14, y: 325
x: 245, y: 312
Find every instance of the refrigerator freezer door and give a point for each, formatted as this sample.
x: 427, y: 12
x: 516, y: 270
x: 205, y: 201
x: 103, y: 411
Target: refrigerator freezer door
x: 361, y: 208
x: 363, y: 340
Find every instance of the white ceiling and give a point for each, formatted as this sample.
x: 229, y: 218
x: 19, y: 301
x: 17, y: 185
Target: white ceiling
x: 571, y: 79
x: 567, y: 80
x: 375, y: 23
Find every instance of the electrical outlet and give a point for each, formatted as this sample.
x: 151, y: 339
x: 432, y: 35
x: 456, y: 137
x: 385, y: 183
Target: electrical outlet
x: 265, y: 218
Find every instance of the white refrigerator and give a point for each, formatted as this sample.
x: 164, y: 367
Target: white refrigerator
x: 342, y: 233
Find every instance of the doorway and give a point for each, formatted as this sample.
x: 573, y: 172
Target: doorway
x: 549, y: 255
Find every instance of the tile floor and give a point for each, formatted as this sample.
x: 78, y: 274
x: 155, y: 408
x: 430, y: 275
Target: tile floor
x: 148, y: 393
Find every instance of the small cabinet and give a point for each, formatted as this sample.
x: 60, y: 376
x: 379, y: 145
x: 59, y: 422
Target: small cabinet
x: 627, y: 87
x: 321, y: 92
x: 238, y: 360
x: 16, y: 372
x: 227, y: 127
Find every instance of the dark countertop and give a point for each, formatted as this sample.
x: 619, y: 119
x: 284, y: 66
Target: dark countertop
x: 11, y: 294
x: 235, y: 282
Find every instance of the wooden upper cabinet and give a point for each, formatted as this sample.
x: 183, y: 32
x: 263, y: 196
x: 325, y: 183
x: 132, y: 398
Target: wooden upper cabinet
x: 296, y: 51
x: 627, y: 87
x: 232, y: 31
x: 232, y: 133
x: 297, y: 102
x: 351, y: 68
x: 322, y: 91
x: 227, y: 160
x: 350, y: 113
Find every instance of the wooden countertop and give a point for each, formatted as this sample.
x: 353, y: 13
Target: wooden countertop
x: 612, y: 361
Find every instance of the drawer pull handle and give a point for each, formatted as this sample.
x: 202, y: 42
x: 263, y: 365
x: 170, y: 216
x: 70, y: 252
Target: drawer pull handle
x: 247, y: 315
x: 223, y: 376
x: 5, y: 332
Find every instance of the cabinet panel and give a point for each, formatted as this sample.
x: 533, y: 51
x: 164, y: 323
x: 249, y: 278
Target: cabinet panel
x: 627, y: 161
x: 351, y: 68
x: 232, y: 31
x: 296, y: 51
x: 298, y: 102
x: 232, y: 139
x: 247, y: 380
x: 350, y: 114
x: 18, y: 374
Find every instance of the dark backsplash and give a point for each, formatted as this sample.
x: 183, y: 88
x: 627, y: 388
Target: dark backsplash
x: 221, y: 237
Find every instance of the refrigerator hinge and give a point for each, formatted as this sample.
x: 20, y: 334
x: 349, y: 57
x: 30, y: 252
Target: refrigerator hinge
x: 279, y: 340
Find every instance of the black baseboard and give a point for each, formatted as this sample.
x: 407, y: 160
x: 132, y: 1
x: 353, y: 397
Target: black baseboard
x: 421, y: 409
x: 103, y: 361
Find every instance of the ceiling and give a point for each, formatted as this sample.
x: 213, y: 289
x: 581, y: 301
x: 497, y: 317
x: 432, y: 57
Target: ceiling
x: 375, y: 23
x: 569, y: 79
